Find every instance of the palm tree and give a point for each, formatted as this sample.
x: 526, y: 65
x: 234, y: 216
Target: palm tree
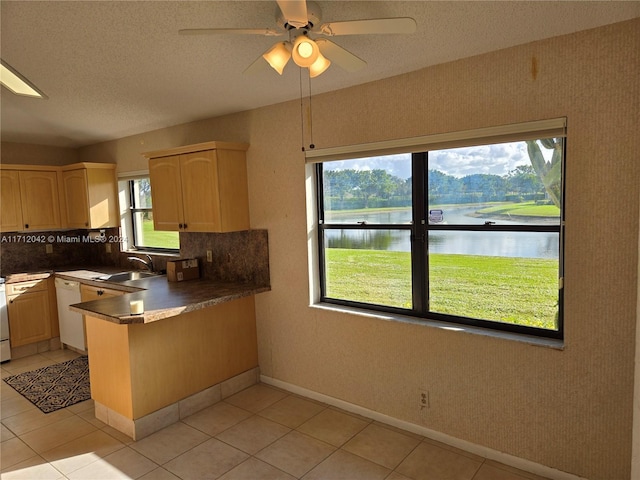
x: 550, y: 173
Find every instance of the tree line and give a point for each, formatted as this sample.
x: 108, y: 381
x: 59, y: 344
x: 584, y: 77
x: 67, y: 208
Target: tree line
x: 520, y: 184
x: 352, y: 189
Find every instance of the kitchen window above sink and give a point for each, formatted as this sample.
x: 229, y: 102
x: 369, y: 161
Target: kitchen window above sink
x: 138, y: 228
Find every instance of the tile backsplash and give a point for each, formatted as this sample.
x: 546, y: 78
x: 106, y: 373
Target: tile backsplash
x: 237, y: 256
x: 27, y: 251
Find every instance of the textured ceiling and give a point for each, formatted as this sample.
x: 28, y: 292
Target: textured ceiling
x: 113, y: 69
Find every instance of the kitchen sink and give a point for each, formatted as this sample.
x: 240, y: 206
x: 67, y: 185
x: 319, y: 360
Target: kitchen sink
x: 127, y: 276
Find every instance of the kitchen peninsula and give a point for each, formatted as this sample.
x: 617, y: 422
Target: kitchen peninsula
x: 194, y: 343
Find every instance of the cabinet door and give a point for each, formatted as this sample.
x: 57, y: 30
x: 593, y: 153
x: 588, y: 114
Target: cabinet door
x: 200, y: 197
x: 166, y: 193
x: 76, y: 198
x: 29, y: 320
x: 233, y: 190
x: 89, y: 292
x: 40, y: 200
x: 90, y: 197
x: 11, y: 213
x: 53, y: 307
x: 103, y: 198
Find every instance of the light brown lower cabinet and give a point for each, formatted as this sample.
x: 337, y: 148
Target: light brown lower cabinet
x: 90, y: 292
x: 32, y: 315
x: 138, y: 369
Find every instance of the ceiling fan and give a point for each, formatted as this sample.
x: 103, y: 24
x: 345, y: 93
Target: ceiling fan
x: 300, y: 21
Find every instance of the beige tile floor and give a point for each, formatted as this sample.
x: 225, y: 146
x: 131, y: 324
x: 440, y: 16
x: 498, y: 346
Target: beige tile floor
x: 258, y: 433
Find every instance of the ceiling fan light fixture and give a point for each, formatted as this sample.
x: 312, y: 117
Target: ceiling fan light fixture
x: 319, y: 66
x: 305, y: 51
x: 278, y: 56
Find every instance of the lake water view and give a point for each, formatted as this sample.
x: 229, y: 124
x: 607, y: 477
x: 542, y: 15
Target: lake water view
x: 502, y: 244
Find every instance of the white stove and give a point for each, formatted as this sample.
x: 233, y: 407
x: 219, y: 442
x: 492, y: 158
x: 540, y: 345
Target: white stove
x: 5, y: 346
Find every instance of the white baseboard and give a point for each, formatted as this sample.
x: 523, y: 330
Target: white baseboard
x: 505, y: 458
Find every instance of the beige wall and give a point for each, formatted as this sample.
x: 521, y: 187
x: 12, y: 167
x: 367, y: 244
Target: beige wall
x: 26, y: 154
x: 570, y: 409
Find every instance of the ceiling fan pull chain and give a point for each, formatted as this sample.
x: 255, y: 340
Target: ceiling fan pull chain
x: 301, y: 113
x: 311, y: 145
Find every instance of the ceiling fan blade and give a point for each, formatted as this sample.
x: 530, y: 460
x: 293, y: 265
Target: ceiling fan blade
x: 377, y: 25
x: 268, y: 32
x: 294, y: 12
x: 259, y: 65
x: 343, y: 58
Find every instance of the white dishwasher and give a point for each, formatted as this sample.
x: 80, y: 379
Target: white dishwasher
x: 71, y: 323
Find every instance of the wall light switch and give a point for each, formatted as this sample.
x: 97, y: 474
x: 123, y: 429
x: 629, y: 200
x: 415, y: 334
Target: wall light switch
x: 209, y: 256
x: 48, y: 248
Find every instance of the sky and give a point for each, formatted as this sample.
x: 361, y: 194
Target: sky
x: 497, y: 159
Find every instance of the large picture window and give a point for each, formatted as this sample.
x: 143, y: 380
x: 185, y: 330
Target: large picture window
x: 471, y: 235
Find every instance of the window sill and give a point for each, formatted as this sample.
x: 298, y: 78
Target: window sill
x: 153, y: 252
x: 514, y: 337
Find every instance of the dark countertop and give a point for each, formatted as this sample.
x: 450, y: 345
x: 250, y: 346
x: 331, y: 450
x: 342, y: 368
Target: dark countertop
x: 162, y: 299
x: 88, y: 277
x: 27, y: 277
x: 68, y: 273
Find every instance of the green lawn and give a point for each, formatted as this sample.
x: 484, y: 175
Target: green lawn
x: 511, y: 290
x: 371, y: 276
x: 528, y: 209
x: 368, y: 210
x: 153, y: 238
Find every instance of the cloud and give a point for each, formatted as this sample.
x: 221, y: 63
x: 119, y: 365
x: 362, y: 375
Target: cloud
x: 398, y: 165
x: 498, y: 159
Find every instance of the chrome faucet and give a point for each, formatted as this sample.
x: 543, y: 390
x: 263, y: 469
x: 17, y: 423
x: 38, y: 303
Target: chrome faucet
x: 148, y: 263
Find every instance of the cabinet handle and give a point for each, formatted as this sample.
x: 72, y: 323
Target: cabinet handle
x: 86, y: 224
x: 185, y: 226
x: 100, y: 292
x: 26, y: 225
x: 180, y: 226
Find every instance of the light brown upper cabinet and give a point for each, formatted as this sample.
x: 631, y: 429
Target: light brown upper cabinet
x: 11, y: 211
x: 90, y: 195
x: 200, y: 188
x: 40, y: 199
x: 30, y: 198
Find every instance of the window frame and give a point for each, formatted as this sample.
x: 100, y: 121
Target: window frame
x: 129, y: 217
x: 420, y: 228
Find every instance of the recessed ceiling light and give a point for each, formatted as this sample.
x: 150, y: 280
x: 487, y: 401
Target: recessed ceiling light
x: 11, y: 79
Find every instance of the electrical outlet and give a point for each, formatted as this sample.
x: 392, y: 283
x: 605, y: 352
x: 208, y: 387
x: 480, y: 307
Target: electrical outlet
x: 423, y: 399
x: 107, y: 247
x: 209, y: 256
x: 48, y: 248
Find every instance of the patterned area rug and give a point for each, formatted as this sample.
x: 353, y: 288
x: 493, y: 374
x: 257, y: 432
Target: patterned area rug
x: 56, y: 386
